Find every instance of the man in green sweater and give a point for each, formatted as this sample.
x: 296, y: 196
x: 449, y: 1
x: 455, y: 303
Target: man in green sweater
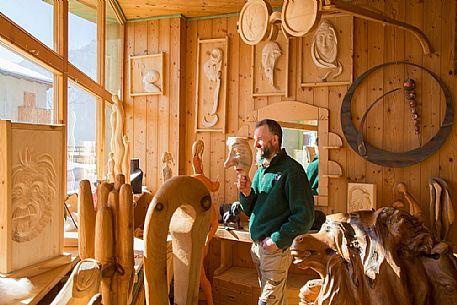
x: 280, y: 207
x: 313, y: 171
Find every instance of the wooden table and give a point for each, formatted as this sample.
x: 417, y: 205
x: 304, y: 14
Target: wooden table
x: 44, y: 282
x: 226, y: 236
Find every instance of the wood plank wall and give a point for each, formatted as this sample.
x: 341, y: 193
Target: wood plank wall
x: 155, y: 123
x: 152, y: 121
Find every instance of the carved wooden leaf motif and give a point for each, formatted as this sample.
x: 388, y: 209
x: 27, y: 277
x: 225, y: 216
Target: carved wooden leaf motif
x: 34, y: 190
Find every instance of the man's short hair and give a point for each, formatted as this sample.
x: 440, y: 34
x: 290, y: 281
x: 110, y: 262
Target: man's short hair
x: 273, y: 126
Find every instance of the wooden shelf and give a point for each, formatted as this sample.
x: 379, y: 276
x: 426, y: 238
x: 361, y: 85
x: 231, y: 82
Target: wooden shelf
x: 237, y: 235
x: 331, y: 147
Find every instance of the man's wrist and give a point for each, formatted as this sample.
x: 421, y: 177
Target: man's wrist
x: 247, y: 194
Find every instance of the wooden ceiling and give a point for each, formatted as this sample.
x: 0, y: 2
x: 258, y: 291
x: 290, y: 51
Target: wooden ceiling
x: 137, y: 9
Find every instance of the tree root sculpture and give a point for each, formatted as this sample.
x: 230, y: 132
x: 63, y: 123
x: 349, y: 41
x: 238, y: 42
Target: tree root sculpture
x: 183, y: 206
x: 383, y: 257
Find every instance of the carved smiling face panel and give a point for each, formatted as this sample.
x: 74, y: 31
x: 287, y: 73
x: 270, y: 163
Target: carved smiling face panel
x: 34, y: 191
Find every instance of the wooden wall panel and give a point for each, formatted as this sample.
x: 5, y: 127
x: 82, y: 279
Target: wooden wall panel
x: 153, y: 122
x: 394, y: 105
x: 153, y: 157
x: 388, y: 125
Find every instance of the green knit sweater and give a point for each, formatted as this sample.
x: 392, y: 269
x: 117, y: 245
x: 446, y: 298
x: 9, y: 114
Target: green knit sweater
x: 280, y: 205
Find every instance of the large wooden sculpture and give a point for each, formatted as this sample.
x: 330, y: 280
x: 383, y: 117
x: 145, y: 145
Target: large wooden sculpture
x: 106, y: 234
x: 212, y: 186
x: 182, y: 205
x: 383, y: 257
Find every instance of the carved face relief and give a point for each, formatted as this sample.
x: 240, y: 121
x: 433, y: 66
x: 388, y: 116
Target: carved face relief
x: 34, y: 192
x: 213, y: 66
x: 270, y: 54
x: 324, y: 49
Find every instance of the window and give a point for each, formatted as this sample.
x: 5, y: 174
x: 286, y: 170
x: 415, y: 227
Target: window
x: 82, y: 36
x: 113, y: 56
x: 81, y: 126
x: 26, y: 89
x: 41, y: 25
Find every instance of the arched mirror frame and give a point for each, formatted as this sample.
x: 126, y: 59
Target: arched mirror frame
x: 292, y: 111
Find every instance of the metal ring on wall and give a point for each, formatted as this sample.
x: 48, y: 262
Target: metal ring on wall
x: 396, y: 159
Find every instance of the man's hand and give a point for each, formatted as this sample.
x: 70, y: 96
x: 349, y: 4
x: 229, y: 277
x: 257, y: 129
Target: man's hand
x: 269, y: 245
x: 244, y: 185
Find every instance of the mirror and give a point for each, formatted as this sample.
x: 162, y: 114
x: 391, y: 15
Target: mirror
x: 309, y: 118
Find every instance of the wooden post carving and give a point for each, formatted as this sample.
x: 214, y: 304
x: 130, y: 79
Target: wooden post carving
x: 119, y: 155
x: 108, y: 236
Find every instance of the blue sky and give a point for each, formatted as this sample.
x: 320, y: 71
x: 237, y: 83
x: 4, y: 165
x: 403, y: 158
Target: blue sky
x: 81, y: 32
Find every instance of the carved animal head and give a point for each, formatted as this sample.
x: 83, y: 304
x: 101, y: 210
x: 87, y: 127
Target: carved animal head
x: 311, y: 251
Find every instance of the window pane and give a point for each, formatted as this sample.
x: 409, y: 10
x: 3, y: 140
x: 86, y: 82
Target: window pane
x: 113, y: 62
x: 81, y: 137
x: 41, y: 25
x: 26, y: 89
x: 82, y: 35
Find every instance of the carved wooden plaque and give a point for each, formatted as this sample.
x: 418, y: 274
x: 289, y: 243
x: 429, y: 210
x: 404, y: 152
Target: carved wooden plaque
x: 31, y: 194
x: 146, y: 74
x: 211, y: 93
x: 299, y: 17
x: 254, y: 23
x: 361, y: 196
x: 326, y: 53
x: 270, y: 63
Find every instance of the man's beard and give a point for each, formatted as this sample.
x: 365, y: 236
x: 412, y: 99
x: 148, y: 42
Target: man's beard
x: 266, y: 152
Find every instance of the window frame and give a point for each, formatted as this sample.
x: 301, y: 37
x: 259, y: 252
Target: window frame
x: 57, y: 61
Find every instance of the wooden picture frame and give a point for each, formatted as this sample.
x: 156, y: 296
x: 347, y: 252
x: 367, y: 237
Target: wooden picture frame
x: 211, y: 87
x: 265, y: 55
x: 146, y: 74
x: 323, y: 66
x: 361, y: 196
